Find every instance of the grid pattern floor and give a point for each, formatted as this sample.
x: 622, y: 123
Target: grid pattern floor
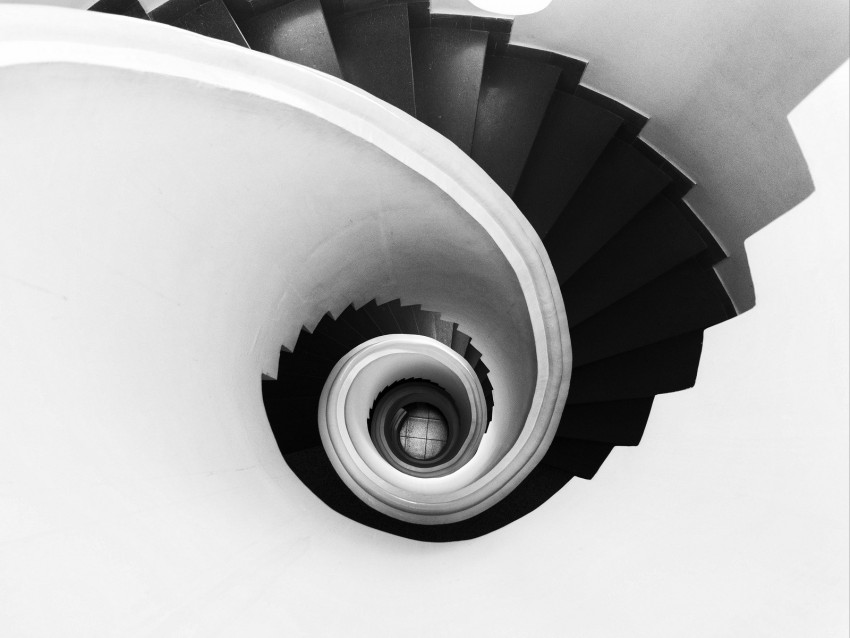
x: 424, y: 433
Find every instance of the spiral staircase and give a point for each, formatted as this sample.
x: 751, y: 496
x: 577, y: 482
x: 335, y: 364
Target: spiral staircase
x: 633, y: 262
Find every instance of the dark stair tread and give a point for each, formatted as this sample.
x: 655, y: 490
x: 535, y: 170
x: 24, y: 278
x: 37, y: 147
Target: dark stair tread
x: 666, y: 366
x: 619, y: 186
x: 614, y: 422
x: 322, y: 346
x: 382, y: 317
x: 571, y: 68
x: 444, y: 331
x: 577, y: 457
x: 684, y: 300
x: 472, y: 356
x: 299, y: 385
x: 427, y: 323
x: 297, y: 32
x: 404, y: 317
x: 515, y: 94
x: 633, y: 122
x: 714, y: 252
x: 361, y: 322
x: 447, y: 70
x: 573, y: 135
x: 294, y: 420
x: 297, y: 362
x: 680, y: 183
x: 373, y: 49
x: 339, y: 331
x: 656, y: 240
x: 460, y: 342
x: 210, y: 18
x: 129, y: 8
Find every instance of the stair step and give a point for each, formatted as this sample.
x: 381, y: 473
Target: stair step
x: 359, y: 322
x: 460, y: 342
x: 129, y: 8
x: 515, y: 94
x: 299, y: 385
x: 339, y: 332
x: 619, y: 186
x: 210, y: 18
x: 322, y: 346
x: 633, y: 122
x: 472, y: 356
x: 427, y: 323
x: 444, y: 331
x: 405, y: 317
x: 297, y: 362
x: 666, y: 366
x: 571, y: 68
x: 294, y: 420
x: 573, y: 135
x: 447, y: 69
x: 576, y: 457
x: 382, y: 317
x: 614, y: 422
x: 680, y: 183
x: 656, y: 240
x: 684, y: 300
x: 297, y: 32
x: 373, y: 48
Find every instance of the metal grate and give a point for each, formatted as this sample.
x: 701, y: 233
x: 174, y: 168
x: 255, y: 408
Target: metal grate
x: 424, y: 433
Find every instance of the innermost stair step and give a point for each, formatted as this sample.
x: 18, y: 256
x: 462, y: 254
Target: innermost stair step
x: 447, y: 69
x: 297, y: 32
x: 373, y: 48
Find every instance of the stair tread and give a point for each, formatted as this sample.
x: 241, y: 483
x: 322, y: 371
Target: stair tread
x: 517, y: 91
x: 382, y: 317
x: 129, y: 8
x: 666, y: 366
x: 373, y: 49
x: 683, y: 300
x: 210, y: 18
x: 573, y: 135
x: 444, y: 331
x: 621, y: 184
x: 577, y: 457
x: 293, y: 420
x: 296, y: 32
x: 340, y: 332
x: 655, y: 241
x: 404, y: 317
x: 460, y: 342
x: 614, y: 422
x: 427, y: 323
x: 447, y: 70
x: 633, y: 122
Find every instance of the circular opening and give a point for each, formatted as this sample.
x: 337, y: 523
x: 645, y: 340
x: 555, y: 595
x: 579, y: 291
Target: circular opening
x: 512, y: 7
x: 424, y: 433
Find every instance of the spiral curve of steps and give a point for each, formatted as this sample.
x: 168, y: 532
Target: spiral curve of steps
x: 633, y: 261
